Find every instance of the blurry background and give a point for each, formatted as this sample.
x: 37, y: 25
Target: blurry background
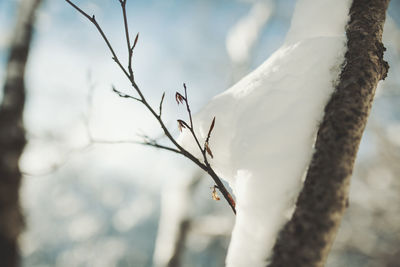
x: 130, y: 205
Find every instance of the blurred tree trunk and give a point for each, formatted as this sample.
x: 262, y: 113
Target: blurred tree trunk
x: 308, y: 236
x: 12, y: 134
x: 175, y: 222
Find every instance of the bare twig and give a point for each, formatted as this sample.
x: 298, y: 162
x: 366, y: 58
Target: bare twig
x: 130, y: 49
x: 123, y: 95
x: 184, y: 99
x: 205, y: 165
x: 206, y: 145
x: 92, y: 19
x: 205, y: 149
x: 161, y: 103
x: 91, y: 140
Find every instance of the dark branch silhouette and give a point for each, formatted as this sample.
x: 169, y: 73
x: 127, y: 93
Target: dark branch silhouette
x: 204, y: 164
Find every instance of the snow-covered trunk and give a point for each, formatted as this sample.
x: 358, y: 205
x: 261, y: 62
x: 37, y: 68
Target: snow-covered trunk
x: 306, y: 240
x: 266, y: 126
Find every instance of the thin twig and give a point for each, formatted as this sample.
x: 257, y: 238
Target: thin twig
x: 206, y: 149
x: 129, y: 74
x: 123, y: 95
x: 161, y: 103
x: 92, y: 19
x: 187, y: 106
x: 130, y: 50
x: 191, y: 128
x: 146, y: 143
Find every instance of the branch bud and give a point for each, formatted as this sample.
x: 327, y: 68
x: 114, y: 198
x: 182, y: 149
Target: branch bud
x: 214, y: 194
x: 179, y: 98
x: 136, y: 40
x: 209, y: 152
x: 181, y: 125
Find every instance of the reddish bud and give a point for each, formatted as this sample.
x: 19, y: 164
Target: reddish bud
x: 136, y: 40
x: 208, y: 150
x: 230, y: 198
x: 210, y: 130
x: 179, y: 98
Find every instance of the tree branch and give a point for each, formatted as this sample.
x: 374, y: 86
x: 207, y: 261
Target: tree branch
x: 308, y: 236
x: 129, y: 74
x: 92, y: 19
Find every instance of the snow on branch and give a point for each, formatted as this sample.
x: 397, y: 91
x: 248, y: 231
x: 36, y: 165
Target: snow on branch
x: 307, y: 238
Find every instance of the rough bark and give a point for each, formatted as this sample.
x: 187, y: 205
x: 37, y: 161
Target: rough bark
x: 12, y: 135
x: 307, y: 237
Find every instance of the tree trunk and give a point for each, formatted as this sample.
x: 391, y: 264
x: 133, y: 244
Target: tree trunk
x: 307, y: 237
x: 12, y: 135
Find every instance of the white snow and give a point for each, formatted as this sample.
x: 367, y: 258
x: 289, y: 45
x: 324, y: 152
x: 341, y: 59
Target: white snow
x: 266, y: 125
x: 244, y: 34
